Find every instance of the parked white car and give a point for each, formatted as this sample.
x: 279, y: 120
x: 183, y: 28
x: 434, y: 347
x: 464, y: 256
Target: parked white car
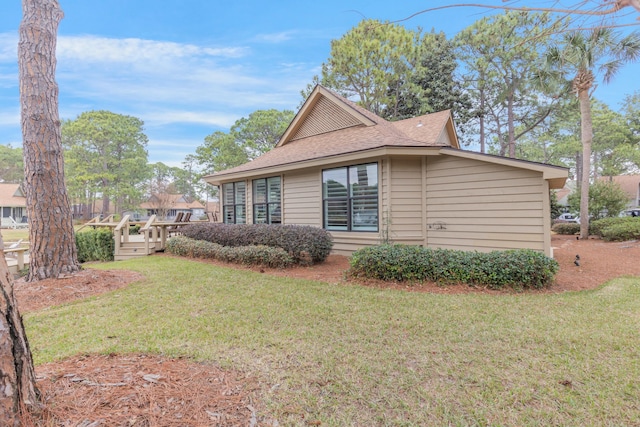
x: 567, y: 217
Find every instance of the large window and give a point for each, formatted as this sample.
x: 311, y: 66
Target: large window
x: 234, y: 202
x: 266, y: 201
x: 350, y: 198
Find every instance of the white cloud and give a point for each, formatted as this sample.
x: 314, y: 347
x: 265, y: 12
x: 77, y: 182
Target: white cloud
x: 177, y: 89
x: 171, y: 152
x: 210, y: 118
x: 280, y: 37
x: 92, y: 49
x: 8, y: 47
x: 10, y: 118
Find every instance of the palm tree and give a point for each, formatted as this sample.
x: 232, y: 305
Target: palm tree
x: 583, y: 55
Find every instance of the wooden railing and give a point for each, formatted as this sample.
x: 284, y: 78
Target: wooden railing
x: 96, y: 222
x: 154, y: 234
x: 121, y: 234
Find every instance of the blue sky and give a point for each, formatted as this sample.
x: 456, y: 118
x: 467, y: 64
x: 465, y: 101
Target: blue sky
x: 190, y: 67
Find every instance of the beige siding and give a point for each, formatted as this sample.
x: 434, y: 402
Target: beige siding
x: 473, y: 205
x: 302, y: 198
x: 346, y: 243
x: 406, y: 199
x: 385, y: 184
x: 443, y: 201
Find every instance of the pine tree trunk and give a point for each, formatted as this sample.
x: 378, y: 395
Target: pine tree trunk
x: 17, y: 376
x: 511, y: 128
x: 586, y: 130
x: 53, y: 250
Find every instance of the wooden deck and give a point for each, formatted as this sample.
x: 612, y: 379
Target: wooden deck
x: 152, y: 237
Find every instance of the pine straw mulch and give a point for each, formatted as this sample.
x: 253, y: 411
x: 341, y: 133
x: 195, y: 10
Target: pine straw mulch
x: 147, y: 390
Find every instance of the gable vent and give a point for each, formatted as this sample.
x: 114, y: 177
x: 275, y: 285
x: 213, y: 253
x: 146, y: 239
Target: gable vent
x: 325, y: 117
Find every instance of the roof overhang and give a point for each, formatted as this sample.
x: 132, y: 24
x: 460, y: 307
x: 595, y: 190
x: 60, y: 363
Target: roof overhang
x: 328, y: 161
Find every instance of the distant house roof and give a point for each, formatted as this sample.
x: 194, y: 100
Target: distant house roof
x: 172, y: 201
x: 563, y: 193
x: 630, y: 184
x: 12, y: 195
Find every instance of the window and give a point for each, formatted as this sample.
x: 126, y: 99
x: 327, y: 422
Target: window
x: 234, y: 206
x: 266, y: 201
x: 350, y: 198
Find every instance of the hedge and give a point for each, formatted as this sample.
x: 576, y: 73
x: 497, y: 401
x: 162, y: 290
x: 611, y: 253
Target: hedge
x: 517, y: 269
x: 566, y: 228
x: 247, y: 255
x: 305, y: 244
x: 621, y: 224
x: 95, y: 245
x: 621, y: 231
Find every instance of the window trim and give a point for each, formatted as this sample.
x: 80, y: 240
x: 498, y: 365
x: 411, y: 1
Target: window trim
x: 349, y: 198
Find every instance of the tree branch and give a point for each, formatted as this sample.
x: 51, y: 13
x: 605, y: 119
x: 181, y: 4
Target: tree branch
x: 618, y: 5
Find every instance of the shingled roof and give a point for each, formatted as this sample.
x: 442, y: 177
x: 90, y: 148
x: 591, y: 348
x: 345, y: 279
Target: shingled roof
x: 330, y: 125
x: 174, y: 201
x: 12, y: 195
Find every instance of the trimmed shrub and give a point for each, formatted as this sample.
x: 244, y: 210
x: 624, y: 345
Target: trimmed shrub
x: 247, y: 255
x: 599, y: 226
x: 305, y: 244
x: 517, y: 269
x: 95, y: 245
x: 566, y: 228
x: 622, y: 231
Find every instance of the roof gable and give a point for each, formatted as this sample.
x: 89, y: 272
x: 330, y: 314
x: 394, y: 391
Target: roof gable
x: 329, y: 126
x: 324, y: 112
x: 11, y: 195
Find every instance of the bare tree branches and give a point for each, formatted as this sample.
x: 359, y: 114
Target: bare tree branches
x: 576, y: 10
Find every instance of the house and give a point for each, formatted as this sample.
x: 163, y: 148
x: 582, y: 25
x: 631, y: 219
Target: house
x: 562, y: 194
x: 630, y: 184
x: 367, y: 180
x: 167, y: 206
x: 13, y: 205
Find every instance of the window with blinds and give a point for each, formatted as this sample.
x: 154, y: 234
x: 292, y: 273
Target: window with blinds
x: 234, y: 207
x: 266, y: 201
x: 350, y: 198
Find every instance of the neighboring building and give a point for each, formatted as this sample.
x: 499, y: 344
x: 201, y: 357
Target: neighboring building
x: 562, y: 194
x: 167, y: 206
x: 630, y: 184
x: 367, y: 180
x: 13, y: 205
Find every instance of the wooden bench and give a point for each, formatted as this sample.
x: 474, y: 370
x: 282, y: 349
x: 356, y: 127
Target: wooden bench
x: 19, y: 255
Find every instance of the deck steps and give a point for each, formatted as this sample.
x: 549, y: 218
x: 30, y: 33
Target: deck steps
x: 130, y: 250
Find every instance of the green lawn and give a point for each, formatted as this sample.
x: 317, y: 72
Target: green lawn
x: 11, y: 235
x: 356, y: 356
